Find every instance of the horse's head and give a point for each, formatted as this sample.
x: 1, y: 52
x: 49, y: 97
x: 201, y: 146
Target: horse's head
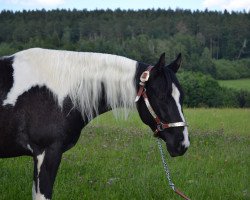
x: 160, y: 104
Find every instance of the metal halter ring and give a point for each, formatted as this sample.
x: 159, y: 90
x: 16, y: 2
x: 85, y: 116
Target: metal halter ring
x: 160, y: 127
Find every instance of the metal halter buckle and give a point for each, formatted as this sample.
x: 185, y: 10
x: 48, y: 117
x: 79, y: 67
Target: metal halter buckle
x: 160, y: 127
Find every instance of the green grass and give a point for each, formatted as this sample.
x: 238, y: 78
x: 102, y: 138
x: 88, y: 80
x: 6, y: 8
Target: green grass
x: 240, y: 84
x: 116, y: 159
x: 233, y: 122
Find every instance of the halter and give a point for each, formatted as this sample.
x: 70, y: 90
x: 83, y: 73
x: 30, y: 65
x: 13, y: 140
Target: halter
x: 160, y: 126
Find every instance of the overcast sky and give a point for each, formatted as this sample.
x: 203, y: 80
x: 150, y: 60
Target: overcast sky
x: 220, y: 5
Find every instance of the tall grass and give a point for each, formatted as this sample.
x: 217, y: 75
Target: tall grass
x: 116, y: 159
x: 222, y: 121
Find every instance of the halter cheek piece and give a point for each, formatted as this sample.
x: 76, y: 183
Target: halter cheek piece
x: 160, y: 126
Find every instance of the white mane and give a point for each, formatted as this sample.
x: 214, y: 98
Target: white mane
x: 77, y: 75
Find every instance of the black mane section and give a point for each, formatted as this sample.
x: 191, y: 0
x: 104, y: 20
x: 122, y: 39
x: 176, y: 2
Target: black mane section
x: 6, y: 76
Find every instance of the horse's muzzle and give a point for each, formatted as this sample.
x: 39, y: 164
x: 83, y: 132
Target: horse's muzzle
x: 178, y: 151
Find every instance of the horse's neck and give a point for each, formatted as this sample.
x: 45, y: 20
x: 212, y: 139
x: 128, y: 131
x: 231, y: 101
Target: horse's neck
x: 115, y: 89
x: 105, y: 107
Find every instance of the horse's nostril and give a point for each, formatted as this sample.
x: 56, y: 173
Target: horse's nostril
x: 181, y: 149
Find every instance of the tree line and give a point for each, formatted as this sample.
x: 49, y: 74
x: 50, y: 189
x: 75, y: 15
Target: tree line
x: 211, y: 42
x: 224, y: 34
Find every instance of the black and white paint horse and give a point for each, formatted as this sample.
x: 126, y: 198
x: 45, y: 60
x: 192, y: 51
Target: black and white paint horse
x: 48, y: 96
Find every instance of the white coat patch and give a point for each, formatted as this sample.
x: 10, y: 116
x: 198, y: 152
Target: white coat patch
x: 176, y: 96
x: 29, y: 147
x: 34, y: 191
x: 78, y: 75
x: 40, y: 197
x: 40, y: 159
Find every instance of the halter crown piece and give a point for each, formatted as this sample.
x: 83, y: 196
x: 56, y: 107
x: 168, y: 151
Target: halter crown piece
x: 142, y: 92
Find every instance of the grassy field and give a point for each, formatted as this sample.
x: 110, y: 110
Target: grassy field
x: 117, y: 159
x: 236, y: 84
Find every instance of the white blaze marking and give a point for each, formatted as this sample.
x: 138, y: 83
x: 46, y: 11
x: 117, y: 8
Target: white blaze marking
x: 176, y: 96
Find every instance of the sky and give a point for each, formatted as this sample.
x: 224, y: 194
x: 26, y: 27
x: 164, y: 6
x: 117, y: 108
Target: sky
x: 219, y: 5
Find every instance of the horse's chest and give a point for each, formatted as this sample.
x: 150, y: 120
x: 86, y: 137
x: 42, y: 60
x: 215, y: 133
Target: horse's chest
x: 36, y: 120
x: 12, y: 134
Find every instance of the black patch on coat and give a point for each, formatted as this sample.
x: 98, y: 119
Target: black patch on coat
x: 6, y: 76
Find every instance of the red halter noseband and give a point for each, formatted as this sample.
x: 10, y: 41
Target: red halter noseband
x: 142, y: 92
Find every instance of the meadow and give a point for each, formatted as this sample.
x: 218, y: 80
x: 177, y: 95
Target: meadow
x: 117, y: 159
x: 239, y: 84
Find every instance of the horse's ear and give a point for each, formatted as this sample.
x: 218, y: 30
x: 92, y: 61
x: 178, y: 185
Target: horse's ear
x: 175, y: 65
x: 161, y: 62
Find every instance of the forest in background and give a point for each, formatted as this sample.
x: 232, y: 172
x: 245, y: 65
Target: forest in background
x: 213, y: 43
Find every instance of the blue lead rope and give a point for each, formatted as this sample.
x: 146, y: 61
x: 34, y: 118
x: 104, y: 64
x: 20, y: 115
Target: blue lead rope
x: 166, y: 169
